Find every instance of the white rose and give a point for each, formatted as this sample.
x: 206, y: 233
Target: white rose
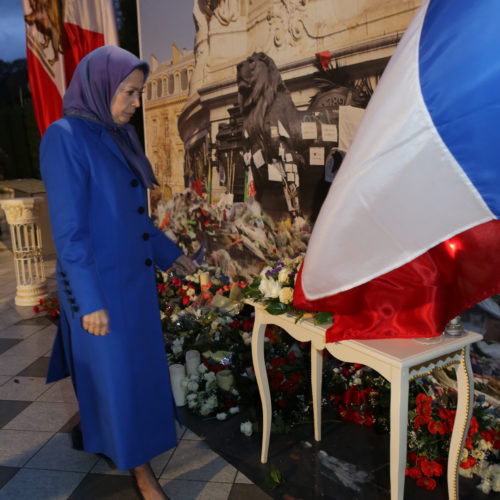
x: 209, y: 377
x: 286, y: 295
x: 468, y: 473
x: 485, y: 486
x: 357, y: 381
x: 192, y: 386
x: 202, y: 368
x: 221, y: 416
x: 190, y: 292
x: 246, y: 337
x: 205, y: 409
x: 176, y: 349
x: 212, y: 401
x: 234, y: 410
x: 479, y: 454
x: 246, y: 428
x: 495, y: 477
x: 191, y: 397
x: 274, y: 289
x: 283, y: 275
x: 264, y: 286
x: 485, y: 445
x: 235, y: 392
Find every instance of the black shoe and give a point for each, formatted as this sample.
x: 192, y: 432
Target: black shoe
x: 76, y: 437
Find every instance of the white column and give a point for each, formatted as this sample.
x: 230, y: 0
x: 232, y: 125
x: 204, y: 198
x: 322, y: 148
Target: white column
x: 23, y: 218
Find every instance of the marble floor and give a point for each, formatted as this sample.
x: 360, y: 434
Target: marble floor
x: 37, y: 460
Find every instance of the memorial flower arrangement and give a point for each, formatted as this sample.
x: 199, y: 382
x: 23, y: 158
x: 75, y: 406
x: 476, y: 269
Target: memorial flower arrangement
x: 431, y: 418
x: 274, y: 287
x: 237, y: 238
x: 219, y: 325
x: 205, y: 312
x: 50, y: 306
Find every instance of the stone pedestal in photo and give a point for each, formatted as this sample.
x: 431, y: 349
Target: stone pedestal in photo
x: 23, y: 219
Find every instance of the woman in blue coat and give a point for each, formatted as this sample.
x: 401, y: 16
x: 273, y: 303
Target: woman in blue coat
x: 110, y: 339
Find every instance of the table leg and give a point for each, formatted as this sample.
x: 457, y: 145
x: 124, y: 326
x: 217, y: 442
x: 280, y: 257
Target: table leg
x: 399, y: 422
x: 258, y: 336
x: 462, y: 419
x: 316, y: 383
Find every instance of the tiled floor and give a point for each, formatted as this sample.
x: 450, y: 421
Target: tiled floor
x: 37, y: 460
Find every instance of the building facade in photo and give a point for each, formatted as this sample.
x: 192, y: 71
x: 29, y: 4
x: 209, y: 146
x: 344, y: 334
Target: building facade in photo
x: 358, y: 36
x: 165, y: 96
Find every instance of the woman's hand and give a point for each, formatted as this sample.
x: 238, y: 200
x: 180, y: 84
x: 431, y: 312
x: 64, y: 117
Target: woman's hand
x: 97, y: 322
x: 184, y: 265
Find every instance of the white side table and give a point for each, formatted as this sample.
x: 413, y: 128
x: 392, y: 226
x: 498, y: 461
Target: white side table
x: 398, y: 360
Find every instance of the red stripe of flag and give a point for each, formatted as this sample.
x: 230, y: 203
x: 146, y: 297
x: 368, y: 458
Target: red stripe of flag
x: 80, y: 43
x: 417, y: 299
x: 47, y: 101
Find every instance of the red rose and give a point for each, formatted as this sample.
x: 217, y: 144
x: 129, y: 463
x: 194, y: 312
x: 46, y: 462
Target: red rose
x: 413, y: 472
x: 467, y: 464
x: 275, y: 384
x: 427, y: 482
x: 229, y: 403
x: 292, y: 356
x: 295, y: 378
x: 352, y: 396
x: 488, y: 435
x: 281, y: 402
x: 247, y: 325
x: 431, y: 468
x: 185, y: 300
x: 35, y: 309
x: 275, y: 362
x: 469, y: 443
x: 234, y: 324
x: 369, y: 421
x: 473, y: 426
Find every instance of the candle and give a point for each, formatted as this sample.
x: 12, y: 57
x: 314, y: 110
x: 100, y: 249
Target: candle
x: 192, y: 362
x: 177, y: 376
x: 225, y: 379
x: 204, y: 278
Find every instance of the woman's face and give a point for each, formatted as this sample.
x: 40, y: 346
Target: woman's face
x: 127, y: 97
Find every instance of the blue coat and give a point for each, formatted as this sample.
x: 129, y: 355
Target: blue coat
x: 107, y: 248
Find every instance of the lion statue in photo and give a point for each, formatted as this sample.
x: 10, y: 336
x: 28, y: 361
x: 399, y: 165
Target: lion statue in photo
x: 271, y: 126
x: 264, y: 100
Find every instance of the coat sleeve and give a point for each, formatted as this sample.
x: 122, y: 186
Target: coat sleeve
x: 65, y: 173
x: 165, y: 251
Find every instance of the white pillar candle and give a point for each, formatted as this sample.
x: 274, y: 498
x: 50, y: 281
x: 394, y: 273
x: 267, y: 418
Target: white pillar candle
x: 177, y: 376
x: 192, y: 362
x: 204, y: 278
x: 225, y: 379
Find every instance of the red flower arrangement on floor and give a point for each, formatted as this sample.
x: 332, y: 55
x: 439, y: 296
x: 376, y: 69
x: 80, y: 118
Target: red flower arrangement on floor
x: 49, y: 306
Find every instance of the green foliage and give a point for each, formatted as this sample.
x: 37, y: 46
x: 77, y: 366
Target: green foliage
x: 274, y: 478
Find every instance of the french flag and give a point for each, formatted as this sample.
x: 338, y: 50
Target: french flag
x: 408, y: 236
x: 58, y: 36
